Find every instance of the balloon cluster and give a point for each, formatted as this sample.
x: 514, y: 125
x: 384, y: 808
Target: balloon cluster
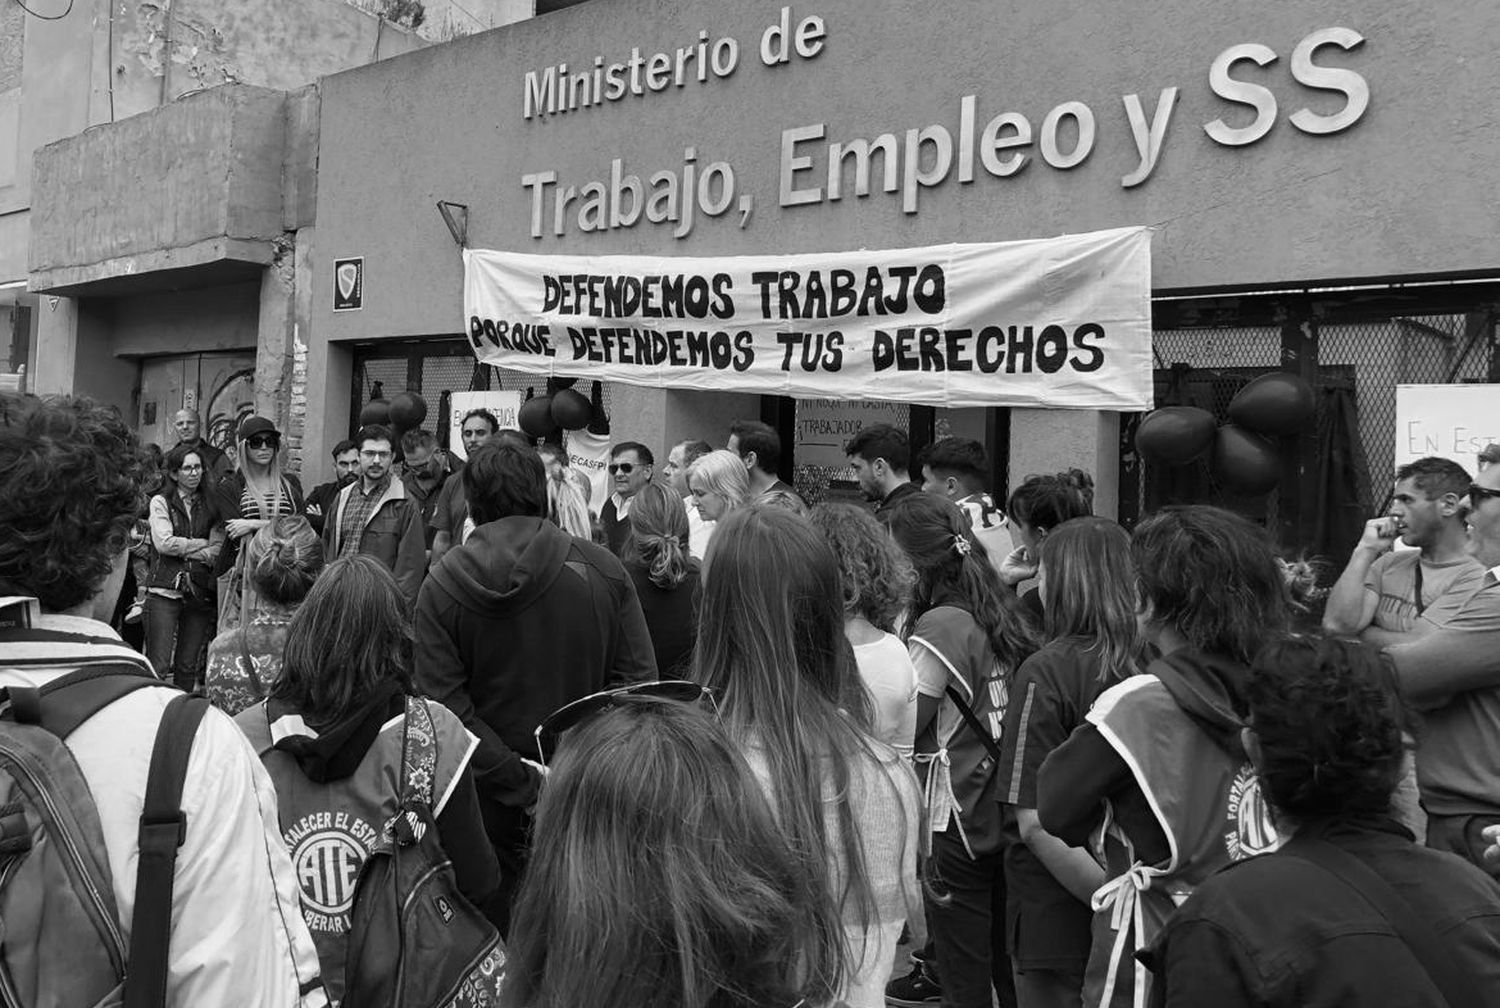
x: 1242, y: 455
x: 561, y: 408
x: 404, y: 411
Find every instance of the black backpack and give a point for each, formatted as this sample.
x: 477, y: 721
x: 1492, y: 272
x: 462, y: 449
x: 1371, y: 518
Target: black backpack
x: 414, y: 940
x: 62, y: 939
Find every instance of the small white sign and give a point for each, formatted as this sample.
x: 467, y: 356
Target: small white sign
x: 1450, y: 421
x: 505, y: 405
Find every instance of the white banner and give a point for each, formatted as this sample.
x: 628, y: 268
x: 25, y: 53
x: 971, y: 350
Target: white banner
x: 1450, y: 421
x: 1057, y: 322
x: 506, y: 406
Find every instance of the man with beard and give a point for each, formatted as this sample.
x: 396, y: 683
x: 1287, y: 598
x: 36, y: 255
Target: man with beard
x: 1390, y: 597
x: 375, y: 516
x: 428, y: 469
x: 451, y: 511
x: 345, y: 471
x: 881, y: 456
x: 1452, y: 675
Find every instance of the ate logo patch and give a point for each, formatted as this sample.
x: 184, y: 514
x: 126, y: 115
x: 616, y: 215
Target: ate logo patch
x: 1250, y: 831
x: 328, y: 849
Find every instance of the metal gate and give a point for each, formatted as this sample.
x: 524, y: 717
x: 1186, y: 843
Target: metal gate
x: 1354, y: 348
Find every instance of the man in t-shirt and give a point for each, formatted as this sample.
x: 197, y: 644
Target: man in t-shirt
x: 426, y: 471
x: 1453, y: 676
x: 760, y: 447
x: 956, y: 468
x: 1388, y: 596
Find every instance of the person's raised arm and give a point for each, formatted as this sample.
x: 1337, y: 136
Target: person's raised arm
x: 1351, y: 600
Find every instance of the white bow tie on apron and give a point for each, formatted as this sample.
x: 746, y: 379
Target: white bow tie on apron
x: 942, y: 807
x: 1122, y: 897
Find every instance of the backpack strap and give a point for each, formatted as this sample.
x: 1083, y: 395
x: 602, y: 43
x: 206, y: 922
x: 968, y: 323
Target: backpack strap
x: 1453, y: 981
x: 66, y: 702
x: 163, y: 829
x: 418, y: 753
x: 972, y: 720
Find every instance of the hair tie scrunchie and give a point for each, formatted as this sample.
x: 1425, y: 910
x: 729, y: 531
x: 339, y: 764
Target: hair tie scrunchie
x: 961, y: 544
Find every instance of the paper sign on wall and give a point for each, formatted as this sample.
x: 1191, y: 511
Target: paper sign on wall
x: 506, y: 406
x: 1450, y: 421
x: 1061, y: 322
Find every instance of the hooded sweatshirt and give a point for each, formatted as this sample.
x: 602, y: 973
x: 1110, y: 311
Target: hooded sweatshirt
x: 337, y: 787
x: 1158, y: 781
x: 517, y: 622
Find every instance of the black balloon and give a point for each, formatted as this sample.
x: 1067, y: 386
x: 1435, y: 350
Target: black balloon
x: 1244, y: 463
x: 571, y: 411
x: 1175, y: 435
x: 1278, y: 404
x: 376, y: 411
x: 408, y: 410
x: 536, y: 416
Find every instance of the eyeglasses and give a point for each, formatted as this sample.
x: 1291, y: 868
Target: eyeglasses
x: 263, y: 441
x: 375, y: 454
x: 587, y: 708
x: 624, y: 468
x: 190, y: 468
x: 1478, y: 493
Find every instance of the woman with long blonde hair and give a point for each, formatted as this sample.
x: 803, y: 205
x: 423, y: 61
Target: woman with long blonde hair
x: 771, y: 645
x: 665, y: 574
x: 246, y: 501
x: 1093, y: 641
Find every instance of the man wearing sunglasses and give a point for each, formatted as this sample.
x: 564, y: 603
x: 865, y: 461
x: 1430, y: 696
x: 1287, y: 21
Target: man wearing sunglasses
x: 1453, y: 676
x: 630, y: 469
x: 515, y: 623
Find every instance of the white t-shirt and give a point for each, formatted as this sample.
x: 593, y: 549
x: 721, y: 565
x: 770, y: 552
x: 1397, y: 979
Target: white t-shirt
x: 889, y: 676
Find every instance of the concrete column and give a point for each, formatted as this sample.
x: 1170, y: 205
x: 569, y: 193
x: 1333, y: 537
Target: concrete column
x: 276, y: 330
x: 1044, y: 441
x: 330, y: 378
x: 56, y: 345
x: 706, y: 416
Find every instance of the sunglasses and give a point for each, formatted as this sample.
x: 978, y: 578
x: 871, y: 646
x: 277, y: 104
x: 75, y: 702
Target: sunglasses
x: 587, y: 708
x: 625, y: 468
x: 1478, y: 493
x: 263, y: 441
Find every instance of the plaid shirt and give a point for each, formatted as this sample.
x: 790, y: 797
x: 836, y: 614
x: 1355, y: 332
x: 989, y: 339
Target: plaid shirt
x: 357, y: 512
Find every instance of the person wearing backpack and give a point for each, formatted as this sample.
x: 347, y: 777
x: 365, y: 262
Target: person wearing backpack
x: 967, y: 636
x: 332, y: 733
x: 192, y: 905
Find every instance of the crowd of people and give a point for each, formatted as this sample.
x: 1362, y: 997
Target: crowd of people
x: 702, y: 745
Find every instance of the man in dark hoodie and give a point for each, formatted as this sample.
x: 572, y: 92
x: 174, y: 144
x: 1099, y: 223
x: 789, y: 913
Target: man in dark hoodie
x: 515, y: 623
x: 1158, y: 777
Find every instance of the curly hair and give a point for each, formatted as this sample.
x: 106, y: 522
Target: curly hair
x: 1212, y: 576
x: 874, y: 572
x: 71, y: 482
x: 1329, y: 727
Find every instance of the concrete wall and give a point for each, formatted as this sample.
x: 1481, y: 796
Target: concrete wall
x: 207, y: 167
x: 1396, y: 194
x: 195, y: 321
x: 106, y: 61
